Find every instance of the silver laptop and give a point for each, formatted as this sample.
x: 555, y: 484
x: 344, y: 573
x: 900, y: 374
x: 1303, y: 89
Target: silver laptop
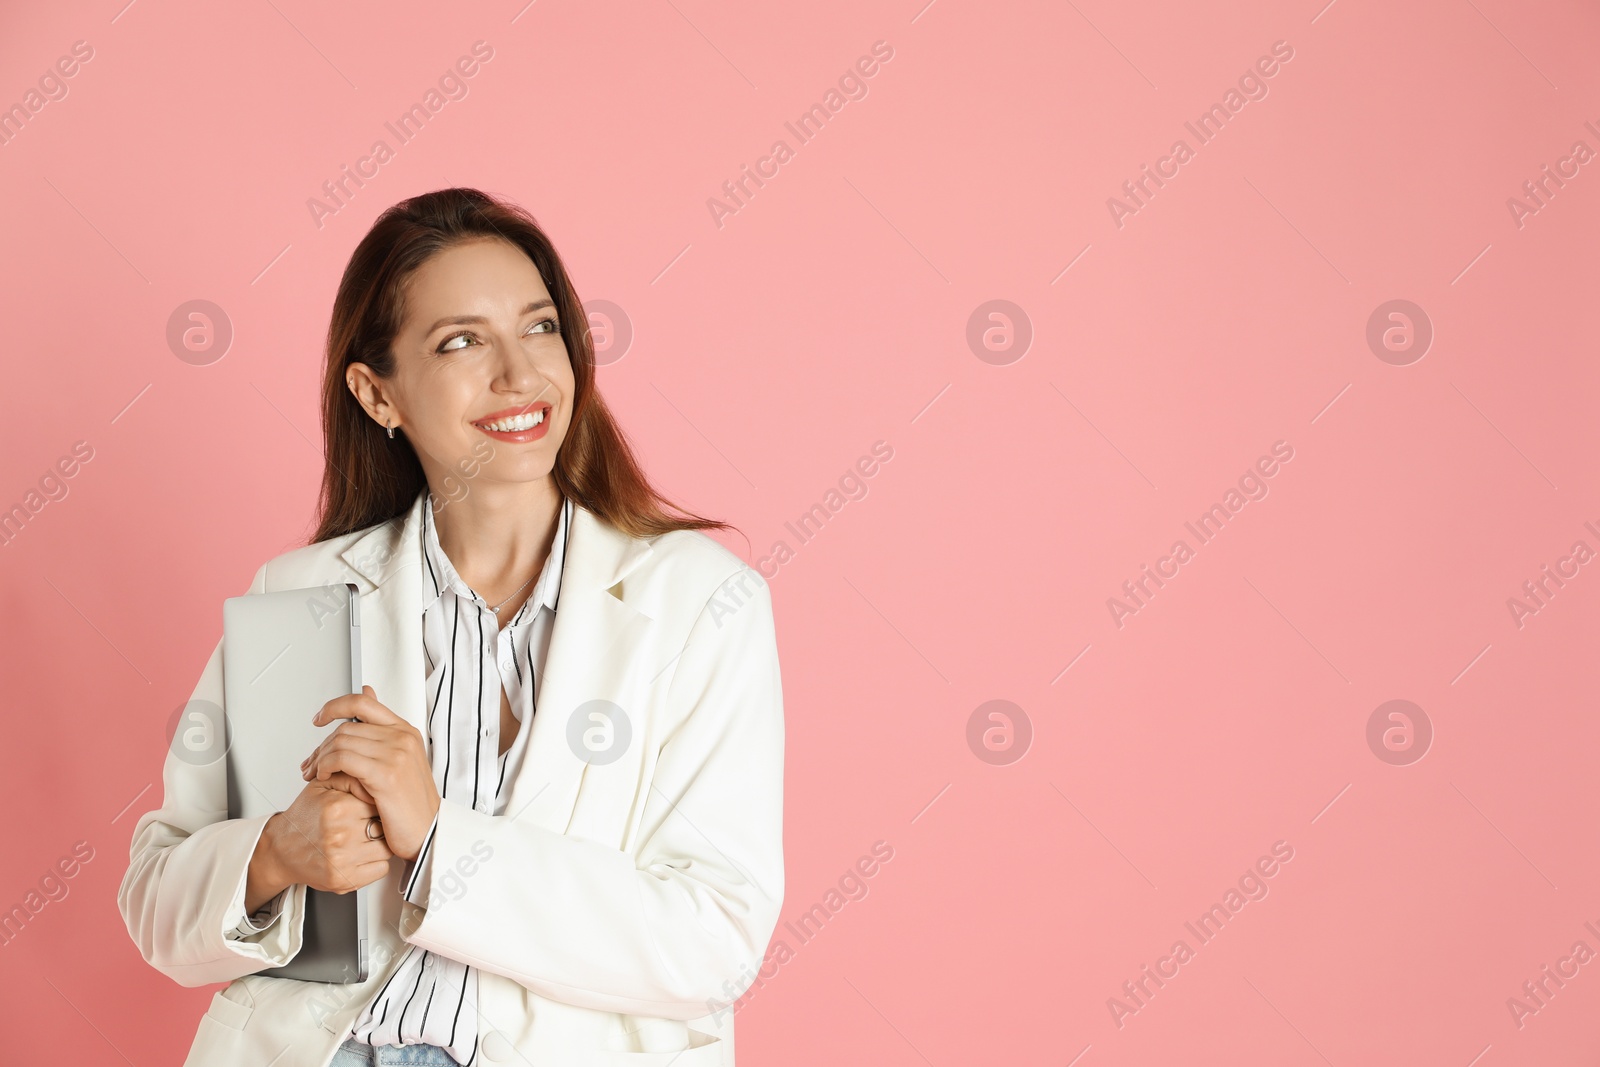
x: 284, y: 655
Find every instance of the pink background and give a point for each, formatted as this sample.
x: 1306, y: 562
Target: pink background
x: 831, y: 312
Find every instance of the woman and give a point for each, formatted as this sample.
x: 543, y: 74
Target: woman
x: 566, y: 775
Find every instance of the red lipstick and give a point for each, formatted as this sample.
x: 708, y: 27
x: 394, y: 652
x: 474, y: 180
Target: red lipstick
x: 538, y: 408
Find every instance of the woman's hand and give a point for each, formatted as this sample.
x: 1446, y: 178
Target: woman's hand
x: 381, y: 758
x: 320, y: 841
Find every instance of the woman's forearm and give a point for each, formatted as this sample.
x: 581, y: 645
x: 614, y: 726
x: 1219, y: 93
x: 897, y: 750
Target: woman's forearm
x: 266, y: 878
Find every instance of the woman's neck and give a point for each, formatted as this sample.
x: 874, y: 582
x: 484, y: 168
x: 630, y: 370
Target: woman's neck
x: 498, y: 535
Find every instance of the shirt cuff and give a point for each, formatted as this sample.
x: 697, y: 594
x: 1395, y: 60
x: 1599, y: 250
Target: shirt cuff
x: 415, y: 888
x: 262, y: 919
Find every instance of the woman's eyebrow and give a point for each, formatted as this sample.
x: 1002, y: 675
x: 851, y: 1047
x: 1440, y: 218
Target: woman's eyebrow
x: 455, y: 320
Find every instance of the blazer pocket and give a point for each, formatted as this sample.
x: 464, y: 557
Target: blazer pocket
x: 229, y: 1012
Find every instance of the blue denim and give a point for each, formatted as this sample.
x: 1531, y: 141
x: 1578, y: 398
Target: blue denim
x: 355, y: 1053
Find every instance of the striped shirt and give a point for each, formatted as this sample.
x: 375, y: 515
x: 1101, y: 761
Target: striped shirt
x: 432, y: 999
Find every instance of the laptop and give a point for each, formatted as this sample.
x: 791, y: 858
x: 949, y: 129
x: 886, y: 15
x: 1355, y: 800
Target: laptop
x: 284, y: 655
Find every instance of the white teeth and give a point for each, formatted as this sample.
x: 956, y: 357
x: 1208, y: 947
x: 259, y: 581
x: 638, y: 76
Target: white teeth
x: 516, y: 422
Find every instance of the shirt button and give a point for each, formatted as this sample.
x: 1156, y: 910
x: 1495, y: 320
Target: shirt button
x: 483, y: 732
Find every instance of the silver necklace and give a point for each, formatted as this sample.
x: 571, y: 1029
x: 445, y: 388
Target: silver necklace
x: 496, y: 608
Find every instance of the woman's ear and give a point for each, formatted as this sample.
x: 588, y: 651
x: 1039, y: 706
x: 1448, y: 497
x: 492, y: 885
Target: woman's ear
x: 368, y: 391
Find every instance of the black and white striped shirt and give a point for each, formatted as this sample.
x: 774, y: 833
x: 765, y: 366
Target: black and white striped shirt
x: 432, y: 999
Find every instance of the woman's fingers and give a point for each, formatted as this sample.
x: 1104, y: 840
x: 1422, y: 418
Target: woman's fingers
x: 379, y: 740
x: 363, y: 705
x: 352, y: 873
x: 348, y: 784
x: 325, y: 842
x: 368, y: 873
x: 360, y: 757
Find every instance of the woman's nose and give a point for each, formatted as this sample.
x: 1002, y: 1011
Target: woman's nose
x: 518, y: 368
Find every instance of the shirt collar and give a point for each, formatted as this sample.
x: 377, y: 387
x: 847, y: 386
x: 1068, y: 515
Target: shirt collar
x: 439, y: 574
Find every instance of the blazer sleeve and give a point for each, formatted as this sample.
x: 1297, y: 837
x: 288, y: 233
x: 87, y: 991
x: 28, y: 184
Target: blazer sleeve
x: 681, y: 927
x: 182, y: 897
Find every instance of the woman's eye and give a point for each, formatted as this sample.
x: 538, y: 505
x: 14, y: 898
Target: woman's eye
x: 449, y: 345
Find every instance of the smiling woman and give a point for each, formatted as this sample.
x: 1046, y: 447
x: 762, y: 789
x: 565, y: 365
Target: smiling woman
x: 550, y: 684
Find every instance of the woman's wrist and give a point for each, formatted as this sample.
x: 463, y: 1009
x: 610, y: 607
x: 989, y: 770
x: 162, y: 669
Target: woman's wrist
x: 265, y: 878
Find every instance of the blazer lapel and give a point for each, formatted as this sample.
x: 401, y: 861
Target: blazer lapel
x: 593, y: 625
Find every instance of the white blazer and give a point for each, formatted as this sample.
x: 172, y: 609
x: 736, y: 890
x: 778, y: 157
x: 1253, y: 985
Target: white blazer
x: 625, y: 905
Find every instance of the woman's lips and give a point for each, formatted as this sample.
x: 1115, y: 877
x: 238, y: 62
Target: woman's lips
x: 517, y: 436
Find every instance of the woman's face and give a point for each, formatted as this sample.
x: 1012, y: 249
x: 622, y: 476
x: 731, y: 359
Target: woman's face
x: 481, y: 343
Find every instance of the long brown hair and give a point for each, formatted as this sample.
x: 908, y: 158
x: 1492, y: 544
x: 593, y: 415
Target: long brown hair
x: 369, y: 478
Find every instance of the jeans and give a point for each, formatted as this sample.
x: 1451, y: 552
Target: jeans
x: 355, y: 1053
